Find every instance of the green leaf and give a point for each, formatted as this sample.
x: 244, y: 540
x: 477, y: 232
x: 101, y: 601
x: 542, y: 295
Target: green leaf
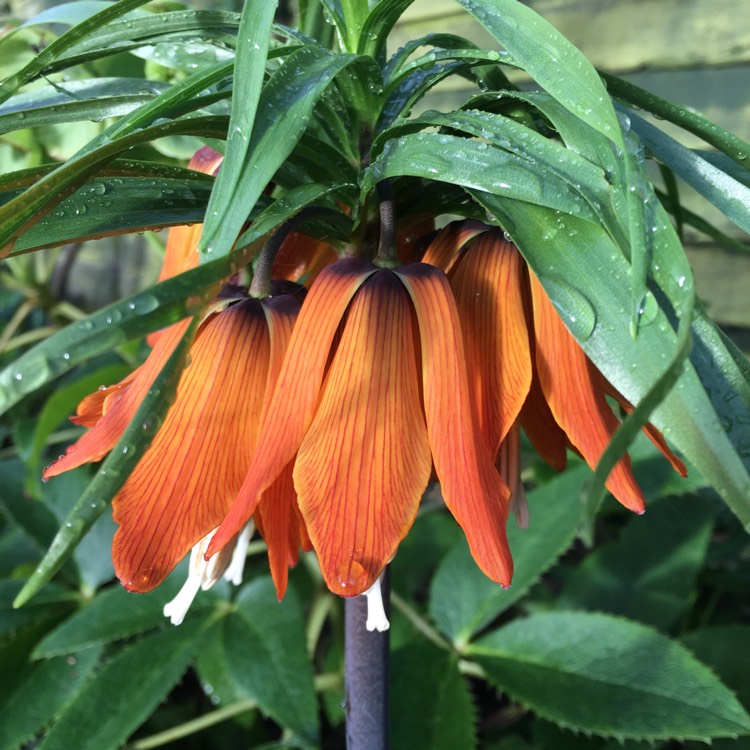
x: 69, y: 14
x: 115, y: 469
x: 731, y: 197
x: 592, y: 290
x: 175, y: 26
x: 267, y: 658
x: 42, y: 694
x: 253, y: 156
x: 58, y: 407
x: 463, y: 600
x: 119, y: 205
x: 556, y: 65
x: 49, y: 54
x: 724, y: 648
x: 115, y: 614
x: 156, y: 307
x: 430, y: 702
x: 433, y: 535
x: 609, y: 676
x: 73, y: 101
x: 92, y: 555
x: 41, y: 198
x: 648, y: 574
x: 378, y: 24
x: 32, y: 516
x: 686, y: 118
x: 476, y: 165
x: 125, y: 691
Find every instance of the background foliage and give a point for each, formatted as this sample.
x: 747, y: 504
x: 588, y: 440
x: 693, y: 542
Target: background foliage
x: 617, y: 631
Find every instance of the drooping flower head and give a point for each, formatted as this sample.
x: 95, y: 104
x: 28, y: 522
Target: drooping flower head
x: 526, y: 368
x: 187, y: 480
x: 373, y: 393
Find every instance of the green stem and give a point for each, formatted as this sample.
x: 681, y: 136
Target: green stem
x: 193, y: 726
x: 419, y: 622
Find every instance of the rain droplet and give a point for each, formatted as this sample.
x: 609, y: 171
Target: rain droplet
x: 572, y: 305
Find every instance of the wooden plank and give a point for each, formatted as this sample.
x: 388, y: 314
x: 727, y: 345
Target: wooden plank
x: 622, y: 35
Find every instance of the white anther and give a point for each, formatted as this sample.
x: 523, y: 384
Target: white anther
x: 376, y: 618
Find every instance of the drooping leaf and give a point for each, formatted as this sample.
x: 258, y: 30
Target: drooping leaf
x: 609, y: 676
x: 114, y: 470
x: 263, y: 142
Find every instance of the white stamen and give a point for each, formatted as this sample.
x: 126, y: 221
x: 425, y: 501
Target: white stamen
x: 203, y: 574
x: 236, y: 567
x: 376, y: 619
x: 178, y: 607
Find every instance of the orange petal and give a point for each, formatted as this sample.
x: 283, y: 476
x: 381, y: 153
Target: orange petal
x: 650, y: 431
x: 365, y: 460
x: 96, y: 404
x: 444, y: 249
x: 278, y: 524
x: 472, y: 488
x: 181, y: 253
x: 577, y: 403
x: 297, y: 391
x: 121, y: 406
x: 539, y: 424
x: 302, y: 258
x: 488, y: 284
x: 187, y: 480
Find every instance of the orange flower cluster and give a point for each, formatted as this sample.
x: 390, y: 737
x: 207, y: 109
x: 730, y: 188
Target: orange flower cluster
x: 321, y: 423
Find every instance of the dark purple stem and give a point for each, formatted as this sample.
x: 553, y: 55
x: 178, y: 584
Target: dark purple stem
x: 366, y: 660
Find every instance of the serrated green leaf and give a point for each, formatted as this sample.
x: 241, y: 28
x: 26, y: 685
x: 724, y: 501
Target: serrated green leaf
x: 267, y: 658
x: 724, y: 649
x: 430, y: 702
x: 212, y: 666
x: 648, y: 574
x: 125, y: 691
x: 41, y: 695
x: 115, y: 614
x: 463, y: 600
x: 609, y: 676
